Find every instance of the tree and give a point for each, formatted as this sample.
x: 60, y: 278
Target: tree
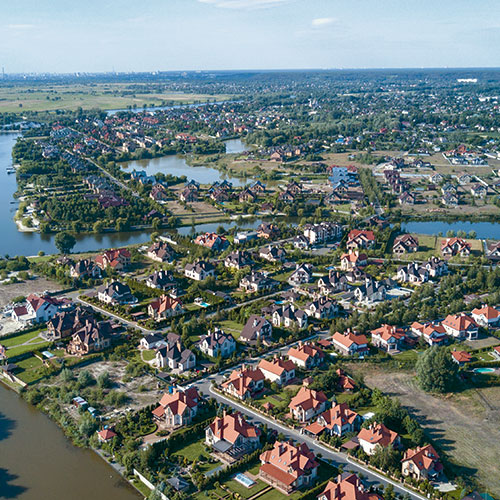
x: 64, y: 242
x: 436, y: 371
x: 104, y: 380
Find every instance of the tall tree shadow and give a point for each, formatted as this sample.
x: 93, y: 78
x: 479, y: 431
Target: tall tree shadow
x: 7, y: 425
x: 7, y: 489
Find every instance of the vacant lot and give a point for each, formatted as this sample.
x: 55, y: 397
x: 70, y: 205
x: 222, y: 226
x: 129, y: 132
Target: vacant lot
x: 37, y: 285
x: 466, y: 425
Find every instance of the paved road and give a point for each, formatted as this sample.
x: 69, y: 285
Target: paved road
x: 337, y: 458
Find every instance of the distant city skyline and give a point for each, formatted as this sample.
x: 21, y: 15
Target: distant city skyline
x: 168, y: 35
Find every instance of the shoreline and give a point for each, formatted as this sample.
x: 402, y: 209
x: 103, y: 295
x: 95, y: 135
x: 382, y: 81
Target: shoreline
x: 18, y: 390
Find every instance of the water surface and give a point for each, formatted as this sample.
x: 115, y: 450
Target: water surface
x: 37, y: 462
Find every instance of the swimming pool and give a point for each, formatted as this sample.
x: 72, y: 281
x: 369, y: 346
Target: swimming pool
x: 244, y: 480
x: 484, y: 370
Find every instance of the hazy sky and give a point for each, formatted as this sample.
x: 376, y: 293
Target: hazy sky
x: 148, y: 35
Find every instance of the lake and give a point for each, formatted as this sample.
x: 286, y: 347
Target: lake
x: 177, y: 165
x: 15, y: 242
x: 38, y: 462
x: 484, y: 230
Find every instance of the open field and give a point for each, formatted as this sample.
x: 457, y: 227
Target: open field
x: 464, y: 425
x: 104, y: 96
x: 37, y: 285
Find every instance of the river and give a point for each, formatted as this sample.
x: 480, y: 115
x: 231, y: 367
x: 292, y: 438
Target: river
x: 15, y: 242
x: 37, y: 462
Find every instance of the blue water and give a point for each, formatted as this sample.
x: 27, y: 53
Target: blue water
x: 484, y: 370
x: 484, y: 230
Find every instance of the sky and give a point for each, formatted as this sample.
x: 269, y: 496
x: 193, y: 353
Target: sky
x: 63, y: 36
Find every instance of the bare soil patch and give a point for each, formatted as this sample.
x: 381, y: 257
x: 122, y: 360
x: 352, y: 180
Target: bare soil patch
x: 465, y: 425
x: 36, y: 285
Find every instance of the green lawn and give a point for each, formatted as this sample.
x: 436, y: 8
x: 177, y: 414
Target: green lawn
x: 149, y: 355
x: 21, y: 339
x: 31, y: 369
x: 232, y: 327
x: 196, y: 451
x: 16, y: 351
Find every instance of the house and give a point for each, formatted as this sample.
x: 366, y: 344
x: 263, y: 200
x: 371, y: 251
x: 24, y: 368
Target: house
x: 413, y: 273
x: 177, y: 409
x: 388, y: 338
x: 307, y: 404
x: 41, y: 308
x: 436, y: 267
x: 288, y: 467
x: 333, y: 283
x: 345, y: 383
x: 405, y: 243
x: 277, y: 370
x: 268, y: 231
x: 369, y: 293
x: 486, y: 316
x: 217, y: 342
x: 165, y: 307
x: 231, y: 434
x: 432, y: 333
x: 461, y: 358
x: 406, y: 198
x: 288, y: 316
x: 161, y: 251
x: 175, y: 356
x: 212, y: 241
x: 493, y: 250
x: 106, y: 435
x: 461, y: 326
x: 158, y: 193
x: 115, y: 293
x: 256, y: 282
x: 199, y: 271
x: 377, y: 435
x: 323, y: 232
x: 152, y: 341
x: 496, y: 352
x: 247, y: 196
x: 63, y: 324
x: 436, y: 178
x: 189, y: 194
x: 347, y: 486
x: 244, y: 383
x: 256, y: 328
x: 449, y: 200
x: 272, y: 253
x: 162, y: 280
x: 238, y: 260
x: 340, y: 420
x: 360, y: 238
x: 322, y: 308
x: 92, y: 337
x: 117, y: 259
x: 421, y: 463
x: 306, y: 355
x: 353, y: 260
x: 301, y: 242
x: 478, y: 191
x: 257, y: 187
x: 301, y: 275
x: 455, y: 246
x: 85, y: 268
x: 350, y: 343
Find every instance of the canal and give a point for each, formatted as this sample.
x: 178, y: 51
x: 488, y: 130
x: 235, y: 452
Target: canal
x: 38, y: 462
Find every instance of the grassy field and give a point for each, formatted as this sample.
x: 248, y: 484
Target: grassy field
x: 196, y: 451
x: 104, y: 96
x: 465, y: 425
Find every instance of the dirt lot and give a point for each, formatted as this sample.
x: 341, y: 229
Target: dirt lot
x: 37, y: 285
x: 466, y: 426
x: 139, y: 397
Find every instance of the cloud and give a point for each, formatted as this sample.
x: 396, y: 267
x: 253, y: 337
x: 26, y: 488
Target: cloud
x: 20, y: 26
x: 322, y: 21
x: 244, y: 4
